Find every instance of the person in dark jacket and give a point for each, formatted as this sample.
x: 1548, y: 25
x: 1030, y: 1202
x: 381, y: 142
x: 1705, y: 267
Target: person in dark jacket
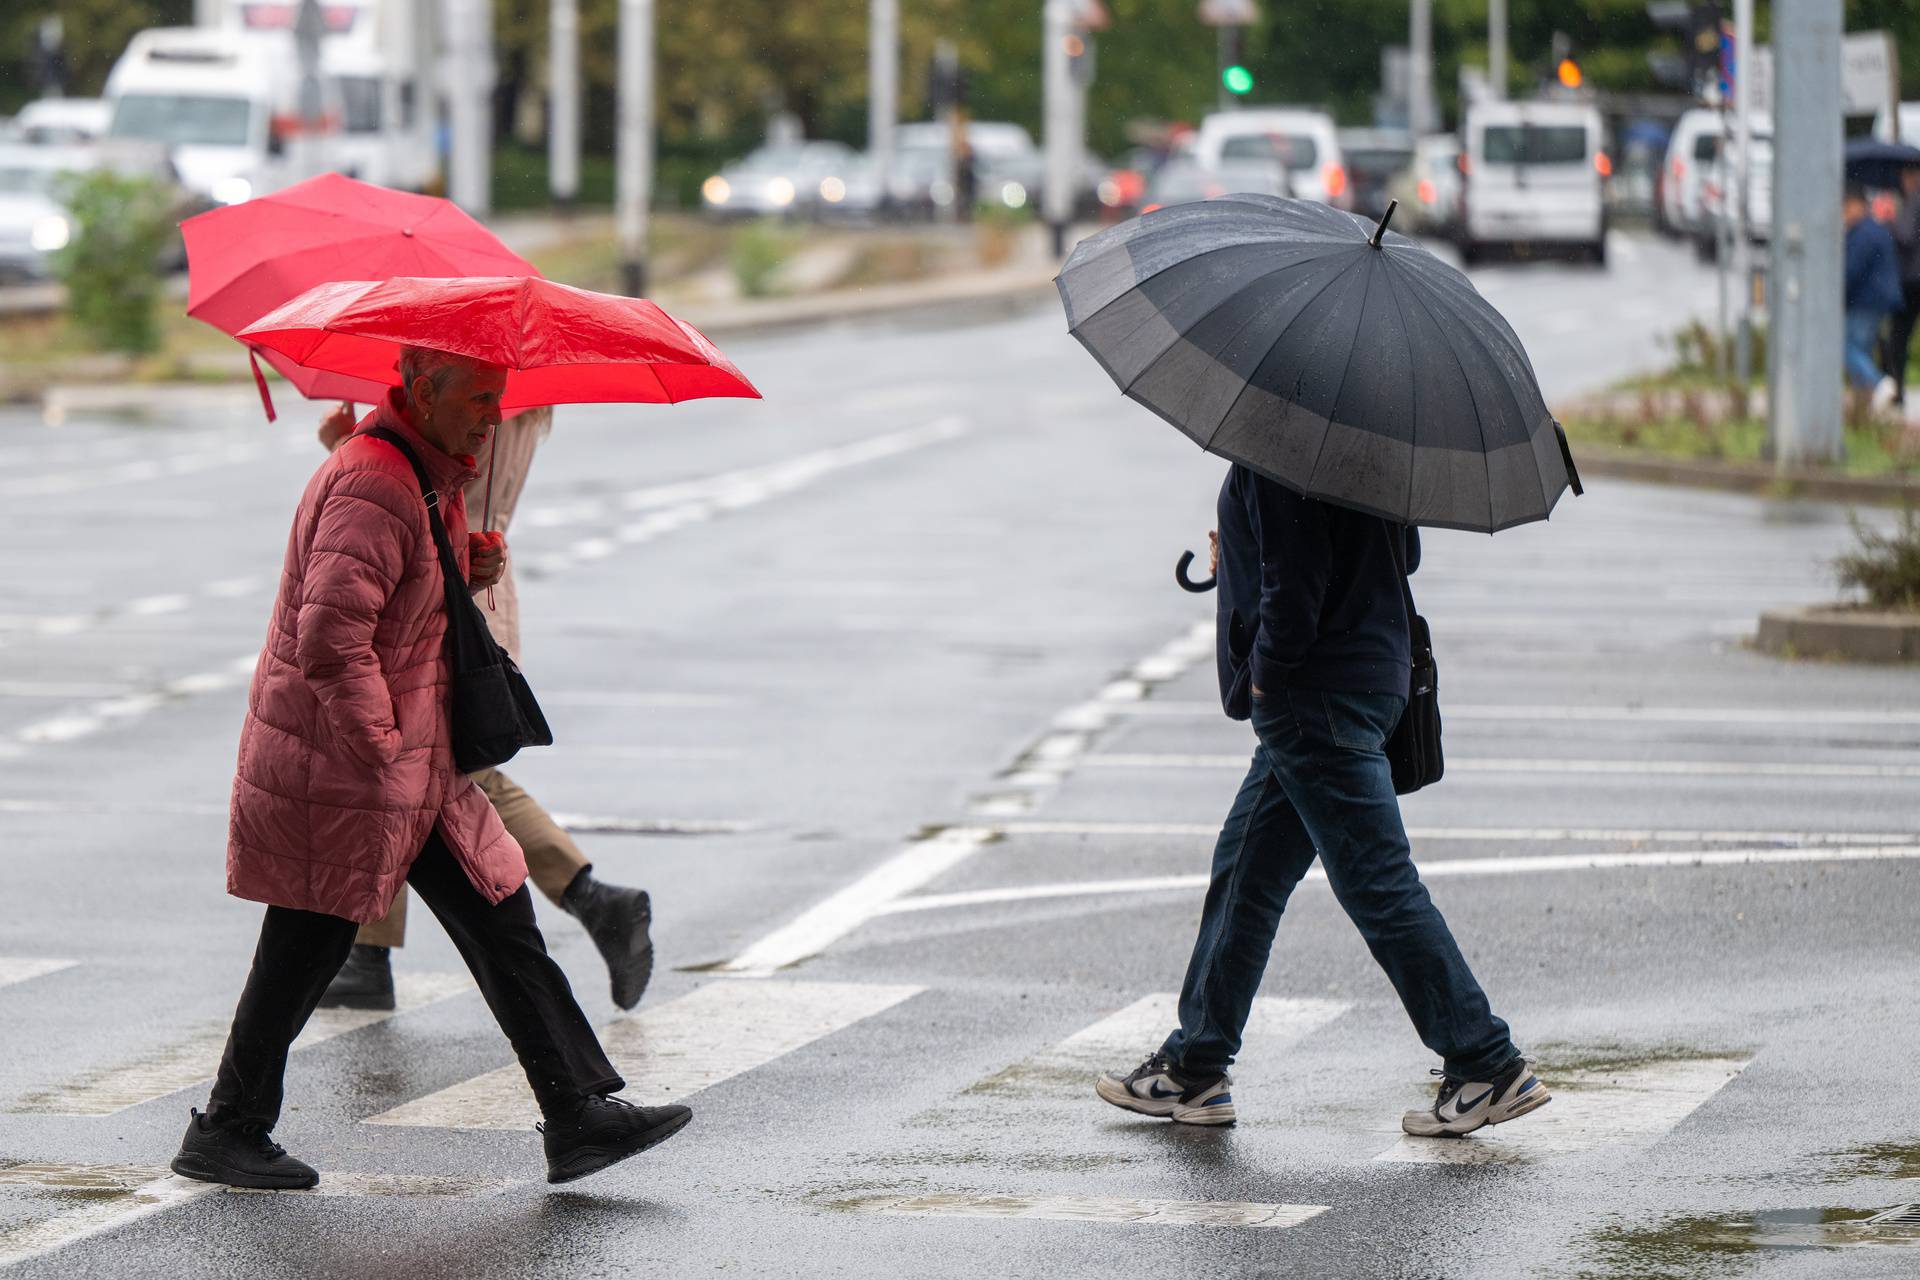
x: 1873, y: 292
x: 1314, y: 648
x: 1906, y: 240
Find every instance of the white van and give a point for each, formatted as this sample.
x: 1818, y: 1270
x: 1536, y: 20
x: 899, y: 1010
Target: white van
x: 210, y: 97
x: 1535, y: 176
x: 1692, y: 151
x: 1300, y: 140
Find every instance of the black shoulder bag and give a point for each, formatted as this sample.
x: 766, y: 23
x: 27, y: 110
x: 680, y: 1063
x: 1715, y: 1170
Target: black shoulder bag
x: 494, y: 712
x: 1414, y: 747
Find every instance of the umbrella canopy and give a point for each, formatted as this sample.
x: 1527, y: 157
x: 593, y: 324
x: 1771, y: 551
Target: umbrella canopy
x: 1874, y: 163
x: 246, y: 259
x: 560, y: 345
x: 1347, y: 365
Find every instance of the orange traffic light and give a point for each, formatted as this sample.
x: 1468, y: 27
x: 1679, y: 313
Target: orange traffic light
x: 1569, y: 73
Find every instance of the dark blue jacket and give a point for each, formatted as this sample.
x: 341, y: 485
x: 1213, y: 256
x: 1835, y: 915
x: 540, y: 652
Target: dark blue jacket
x: 1310, y: 596
x: 1873, y: 268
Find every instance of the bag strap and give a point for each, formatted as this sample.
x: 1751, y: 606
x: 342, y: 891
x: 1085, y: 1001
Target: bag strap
x: 449, y: 567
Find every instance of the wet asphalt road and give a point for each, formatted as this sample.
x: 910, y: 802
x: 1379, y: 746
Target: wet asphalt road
x: 901, y: 641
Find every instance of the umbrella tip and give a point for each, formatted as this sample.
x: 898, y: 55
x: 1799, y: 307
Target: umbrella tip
x: 1385, y: 218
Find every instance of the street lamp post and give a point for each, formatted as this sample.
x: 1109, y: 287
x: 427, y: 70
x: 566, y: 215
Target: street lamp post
x: 1057, y: 202
x: 633, y: 184
x: 469, y: 79
x: 1497, y: 48
x: 1419, y: 66
x: 563, y: 101
x: 883, y: 91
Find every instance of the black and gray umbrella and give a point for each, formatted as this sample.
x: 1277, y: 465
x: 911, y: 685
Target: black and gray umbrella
x: 1340, y: 360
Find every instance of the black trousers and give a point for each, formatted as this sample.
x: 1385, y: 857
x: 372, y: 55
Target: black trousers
x: 1900, y: 326
x: 301, y: 951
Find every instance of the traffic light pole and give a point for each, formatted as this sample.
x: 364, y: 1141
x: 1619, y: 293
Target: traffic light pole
x: 883, y: 91
x: 1057, y: 198
x: 1744, y: 47
x: 1419, y: 66
x: 563, y: 101
x: 633, y: 146
x: 1497, y: 49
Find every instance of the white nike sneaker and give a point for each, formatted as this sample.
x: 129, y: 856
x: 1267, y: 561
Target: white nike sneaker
x: 1154, y: 1089
x: 1466, y: 1105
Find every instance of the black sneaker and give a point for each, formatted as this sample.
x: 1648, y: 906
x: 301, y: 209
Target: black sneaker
x: 606, y: 1131
x: 1154, y: 1088
x: 620, y: 922
x: 1466, y: 1105
x: 365, y: 981
x: 239, y: 1155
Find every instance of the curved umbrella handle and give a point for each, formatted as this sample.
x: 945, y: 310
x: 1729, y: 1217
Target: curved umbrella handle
x: 1186, y: 583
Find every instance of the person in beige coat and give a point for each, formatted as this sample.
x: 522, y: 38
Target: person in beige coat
x: 618, y: 919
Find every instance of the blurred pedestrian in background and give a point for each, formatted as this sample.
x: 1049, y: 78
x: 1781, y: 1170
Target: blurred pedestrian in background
x: 1905, y: 229
x: 346, y: 788
x: 1873, y: 293
x: 618, y: 919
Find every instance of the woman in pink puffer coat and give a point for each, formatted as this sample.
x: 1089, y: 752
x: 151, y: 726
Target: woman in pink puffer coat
x: 346, y: 789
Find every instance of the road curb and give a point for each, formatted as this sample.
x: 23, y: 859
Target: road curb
x: 1746, y: 477
x: 1850, y: 635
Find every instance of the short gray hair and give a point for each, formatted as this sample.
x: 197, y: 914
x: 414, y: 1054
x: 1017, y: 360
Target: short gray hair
x: 437, y: 367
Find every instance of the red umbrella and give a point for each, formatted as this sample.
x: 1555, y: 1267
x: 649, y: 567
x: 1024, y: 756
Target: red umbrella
x: 560, y: 345
x: 249, y: 258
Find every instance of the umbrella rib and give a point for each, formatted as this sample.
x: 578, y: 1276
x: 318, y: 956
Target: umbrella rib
x: 1241, y: 394
x: 1141, y: 283
x: 1354, y: 343
x: 1413, y: 383
x: 1479, y: 423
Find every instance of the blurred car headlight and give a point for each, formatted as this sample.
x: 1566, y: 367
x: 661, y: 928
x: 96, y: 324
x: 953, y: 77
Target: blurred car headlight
x: 833, y: 190
x: 780, y: 192
x: 233, y: 191
x: 942, y: 192
x: 716, y: 190
x: 1013, y: 195
x: 1109, y: 193
x: 50, y: 234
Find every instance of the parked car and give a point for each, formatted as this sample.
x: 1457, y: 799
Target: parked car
x: 34, y: 222
x: 56, y: 121
x: 1721, y: 181
x: 1691, y: 151
x: 1185, y: 181
x: 1376, y: 159
x: 1429, y: 189
x: 1535, y: 177
x: 1300, y: 140
x: 783, y: 181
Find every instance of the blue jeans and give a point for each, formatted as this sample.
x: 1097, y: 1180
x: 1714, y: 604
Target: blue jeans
x: 1863, y: 335
x: 1320, y: 781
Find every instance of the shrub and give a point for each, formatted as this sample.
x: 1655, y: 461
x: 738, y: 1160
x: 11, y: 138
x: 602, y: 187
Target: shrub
x: 111, y: 265
x: 1885, y: 566
x: 757, y: 254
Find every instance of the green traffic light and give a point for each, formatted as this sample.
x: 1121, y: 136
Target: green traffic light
x: 1237, y: 80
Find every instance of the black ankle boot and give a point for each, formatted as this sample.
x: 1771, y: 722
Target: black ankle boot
x: 619, y: 921
x: 365, y: 981
x: 239, y: 1155
x: 605, y: 1131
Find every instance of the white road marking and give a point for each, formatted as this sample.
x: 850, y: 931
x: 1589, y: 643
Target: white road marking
x: 706, y: 755
x: 636, y: 698
x: 60, y: 689
x: 193, y: 1060
x: 1531, y: 835
x: 825, y: 923
x: 90, y: 720
x: 1631, y: 1106
x: 674, y: 1050
x: 1110, y: 1209
x: 1626, y: 713
x: 24, y: 969
x: 601, y: 825
x: 1470, y: 764
x: 92, y: 1216
x: 1430, y: 868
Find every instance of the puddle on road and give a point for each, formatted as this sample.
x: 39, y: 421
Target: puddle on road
x: 1876, y: 1160
x: 1591, y: 1061
x: 1699, y: 1248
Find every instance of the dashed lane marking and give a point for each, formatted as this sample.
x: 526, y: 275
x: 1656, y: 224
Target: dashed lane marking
x: 673, y: 1050
x: 1618, y: 713
x: 1108, y: 1209
x: 193, y: 1060
x: 24, y: 969
x: 1632, y: 1105
x: 91, y: 719
x: 1430, y: 868
x: 1633, y: 768
x: 1539, y: 835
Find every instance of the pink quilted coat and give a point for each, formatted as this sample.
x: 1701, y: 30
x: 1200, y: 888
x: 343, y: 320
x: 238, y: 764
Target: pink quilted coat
x: 345, y: 760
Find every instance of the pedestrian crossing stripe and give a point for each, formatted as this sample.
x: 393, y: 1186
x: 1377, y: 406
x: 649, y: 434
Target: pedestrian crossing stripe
x: 194, y: 1059
x: 1112, y: 1209
x: 1628, y: 1105
x: 24, y: 969
x: 674, y: 1050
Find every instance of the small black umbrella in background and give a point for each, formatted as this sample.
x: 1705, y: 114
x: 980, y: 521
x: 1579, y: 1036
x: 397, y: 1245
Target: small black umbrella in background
x: 1877, y: 164
x: 1338, y: 359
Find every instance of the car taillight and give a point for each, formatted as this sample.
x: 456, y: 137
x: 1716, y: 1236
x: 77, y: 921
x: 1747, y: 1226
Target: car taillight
x: 1463, y: 164
x: 1603, y: 164
x: 1334, y: 178
x: 1679, y: 169
x: 1425, y: 191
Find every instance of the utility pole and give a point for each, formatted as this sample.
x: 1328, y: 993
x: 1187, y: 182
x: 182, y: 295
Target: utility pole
x: 563, y: 101
x: 1745, y: 54
x: 883, y: 91
x: 309, y: 157
x: 1058, y: 114
x: 1419, y: 67
x: 633, y: 149
x: 1497, y: 48
x: 1803, y: 374
x: 469, y: 85
x: 423, y: 46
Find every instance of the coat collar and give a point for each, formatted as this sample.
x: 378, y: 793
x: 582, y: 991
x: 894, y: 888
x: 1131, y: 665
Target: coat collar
x: 447, y: 471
